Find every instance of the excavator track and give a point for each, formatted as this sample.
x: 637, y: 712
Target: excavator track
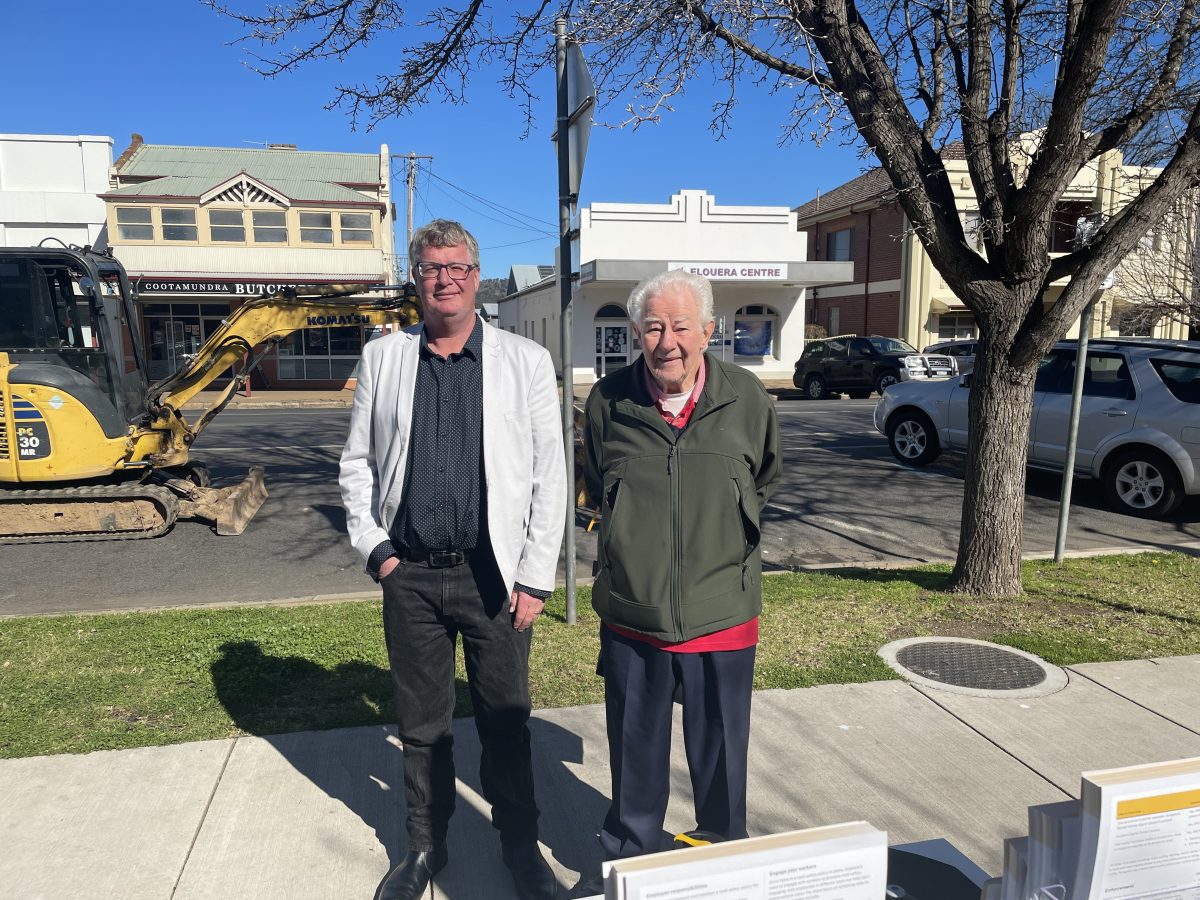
x: 116, y: 512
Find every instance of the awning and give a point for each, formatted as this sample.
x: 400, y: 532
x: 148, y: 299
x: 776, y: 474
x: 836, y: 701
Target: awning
x: 937, y: 305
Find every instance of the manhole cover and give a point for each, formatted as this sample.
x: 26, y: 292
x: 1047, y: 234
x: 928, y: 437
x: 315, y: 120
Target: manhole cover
x: 973, y: 667
x: 970, y: 665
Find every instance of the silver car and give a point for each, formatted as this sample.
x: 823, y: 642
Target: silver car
x: 1139, y: 426
x: 962, y: 352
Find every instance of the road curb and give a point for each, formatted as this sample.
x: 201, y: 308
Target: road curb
x: 1189, y: 547
x: 315, y: 599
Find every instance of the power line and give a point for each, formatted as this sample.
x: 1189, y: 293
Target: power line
x: 508, y: 222
x: 498, y: 207
x: 514, y: 244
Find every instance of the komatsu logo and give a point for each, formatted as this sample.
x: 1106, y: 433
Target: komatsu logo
x: 351, y: 319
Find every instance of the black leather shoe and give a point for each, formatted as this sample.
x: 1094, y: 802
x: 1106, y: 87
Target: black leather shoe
x: 410, y: 879
x: 531, y: 873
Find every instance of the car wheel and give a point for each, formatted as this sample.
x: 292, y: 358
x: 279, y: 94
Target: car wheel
x: 814, y: 388
x: 886, y: 379
x: 858, y: 395
x: 912, y: 438
x: 1143, y: 482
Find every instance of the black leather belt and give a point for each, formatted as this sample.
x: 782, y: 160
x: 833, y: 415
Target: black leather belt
x: 437, y: 559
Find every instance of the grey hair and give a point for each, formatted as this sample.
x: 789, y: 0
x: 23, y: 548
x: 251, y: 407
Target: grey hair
x: 651, y: 287
x: 442, y: 233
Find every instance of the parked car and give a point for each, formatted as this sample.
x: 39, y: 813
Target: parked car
x: 859, y: 365
x: 963, y: 353
x: 1139, y: 425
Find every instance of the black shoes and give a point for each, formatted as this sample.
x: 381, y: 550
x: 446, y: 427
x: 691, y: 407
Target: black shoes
x: 531, y: 873
x: 410, y: 879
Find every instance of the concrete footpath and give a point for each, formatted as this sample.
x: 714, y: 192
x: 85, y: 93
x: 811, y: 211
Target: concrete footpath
x: 318, y: 814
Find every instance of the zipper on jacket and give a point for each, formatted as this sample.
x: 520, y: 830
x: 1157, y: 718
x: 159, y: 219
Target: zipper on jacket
x: 670, y: 458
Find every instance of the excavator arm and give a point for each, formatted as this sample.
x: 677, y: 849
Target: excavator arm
x: 251, y: 325
x: 163, y: 441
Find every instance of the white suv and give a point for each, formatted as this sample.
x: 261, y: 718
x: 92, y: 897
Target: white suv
x: 1139, y: 425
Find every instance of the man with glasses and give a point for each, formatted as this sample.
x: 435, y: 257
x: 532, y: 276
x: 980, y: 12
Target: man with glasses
x: 454, y: 484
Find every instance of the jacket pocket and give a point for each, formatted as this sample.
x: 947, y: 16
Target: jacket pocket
x: 747, y: 503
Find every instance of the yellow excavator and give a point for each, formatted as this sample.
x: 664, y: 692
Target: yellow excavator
x: 89, y: 450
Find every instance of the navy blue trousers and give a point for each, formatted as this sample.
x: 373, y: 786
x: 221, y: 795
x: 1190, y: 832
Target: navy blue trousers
x: 639, y: 684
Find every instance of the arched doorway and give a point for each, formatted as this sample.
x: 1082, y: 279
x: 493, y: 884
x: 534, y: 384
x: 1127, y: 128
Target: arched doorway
x: 612, y: 339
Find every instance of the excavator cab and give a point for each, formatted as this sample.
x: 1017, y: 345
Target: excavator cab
x: 65, y: 337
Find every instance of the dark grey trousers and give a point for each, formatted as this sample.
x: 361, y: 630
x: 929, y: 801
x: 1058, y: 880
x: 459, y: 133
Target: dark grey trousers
x: 425, y: 610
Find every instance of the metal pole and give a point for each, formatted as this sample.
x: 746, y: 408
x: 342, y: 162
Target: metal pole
x: 565, y: 272
x: 1064, y: 503
x: 412, y: 177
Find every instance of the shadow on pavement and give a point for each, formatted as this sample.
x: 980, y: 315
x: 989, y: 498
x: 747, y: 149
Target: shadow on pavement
x: 269, y: 696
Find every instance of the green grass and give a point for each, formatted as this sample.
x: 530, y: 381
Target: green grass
x: 70, y: 684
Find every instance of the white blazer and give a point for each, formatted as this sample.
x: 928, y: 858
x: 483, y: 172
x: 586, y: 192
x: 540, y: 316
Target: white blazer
x: 523, y: 462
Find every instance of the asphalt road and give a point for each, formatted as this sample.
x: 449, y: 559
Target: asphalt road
x: 843, y: 500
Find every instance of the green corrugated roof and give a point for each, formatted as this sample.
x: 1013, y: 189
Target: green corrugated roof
x: 218, y: 163
x: 298, y: 174
x: 191, y: 187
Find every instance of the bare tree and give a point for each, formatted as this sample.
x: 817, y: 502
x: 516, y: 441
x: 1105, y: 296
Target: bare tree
x: 1156, y: 285
x: 1035, y: 90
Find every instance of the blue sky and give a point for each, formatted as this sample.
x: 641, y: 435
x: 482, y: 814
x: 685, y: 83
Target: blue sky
x: 166, y: 69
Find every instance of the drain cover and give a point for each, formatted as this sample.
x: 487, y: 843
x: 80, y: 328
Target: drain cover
x: 973, y: 667
x: 970, y: 665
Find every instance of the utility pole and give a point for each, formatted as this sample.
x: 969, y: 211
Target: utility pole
x: 410, y: 180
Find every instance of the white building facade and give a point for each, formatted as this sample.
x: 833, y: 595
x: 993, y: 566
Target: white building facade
x: 49, y: 185
x: 753, y: 255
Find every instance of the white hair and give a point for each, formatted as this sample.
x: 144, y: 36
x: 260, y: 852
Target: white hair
x: 651, y: 287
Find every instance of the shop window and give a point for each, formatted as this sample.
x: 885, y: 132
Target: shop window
x: 133, y: 223
x: 754, y: 331
x: 320, y: 353
x: 1064, y: 225
x: 179, y: 225
x: 356, y: 228
x: 175, y: 331
x: 270, y: 227
x: 839, y: 245
x: 316, y: 228
x: 1131, y: 320
x: 956, y: 327
x: 226, y: 225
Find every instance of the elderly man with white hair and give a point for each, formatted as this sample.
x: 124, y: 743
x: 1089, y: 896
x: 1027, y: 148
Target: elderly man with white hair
x: 682, y: 452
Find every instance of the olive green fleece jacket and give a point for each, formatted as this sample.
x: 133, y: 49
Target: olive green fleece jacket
x: 679, y: 551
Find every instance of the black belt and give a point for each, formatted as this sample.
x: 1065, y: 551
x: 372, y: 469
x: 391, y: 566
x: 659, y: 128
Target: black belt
x: 437, y: 559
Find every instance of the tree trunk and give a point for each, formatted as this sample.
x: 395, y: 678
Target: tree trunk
x: 1001, y: 401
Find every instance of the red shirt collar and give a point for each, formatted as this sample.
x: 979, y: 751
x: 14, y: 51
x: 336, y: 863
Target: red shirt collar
x: 658, y: 396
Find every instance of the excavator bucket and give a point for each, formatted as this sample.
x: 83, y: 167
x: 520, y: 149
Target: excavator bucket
x: 231, y: 508
x: 241, y: 503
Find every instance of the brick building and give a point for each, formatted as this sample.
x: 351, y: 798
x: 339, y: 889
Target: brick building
x: 897, y: 292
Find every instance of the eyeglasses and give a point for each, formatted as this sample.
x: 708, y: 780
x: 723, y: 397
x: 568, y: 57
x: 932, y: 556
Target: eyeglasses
x: 457, y: 271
